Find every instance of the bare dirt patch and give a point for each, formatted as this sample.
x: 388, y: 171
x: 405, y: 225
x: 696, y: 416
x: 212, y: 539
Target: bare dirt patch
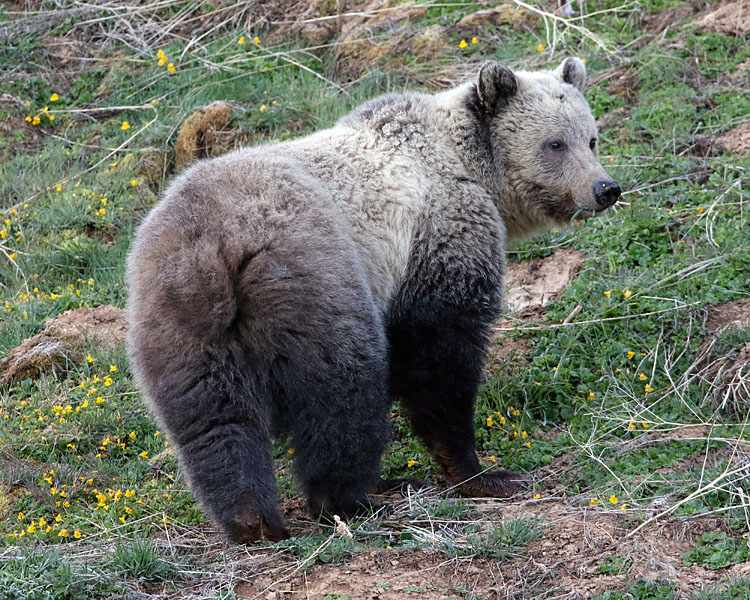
x: 731, y: 18
x: 729, y: 314
x: 60, y: 344
x: 531, y: 286
x: 538, y: 281
x: 567, y: 559
x: 736, y: 140
x: 502, y: 14
x: 389, y: 575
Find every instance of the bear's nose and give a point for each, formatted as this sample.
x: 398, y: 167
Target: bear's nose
x: 606, y: 192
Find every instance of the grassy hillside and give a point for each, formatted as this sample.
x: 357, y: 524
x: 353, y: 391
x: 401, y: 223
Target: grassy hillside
x: 625, y: 398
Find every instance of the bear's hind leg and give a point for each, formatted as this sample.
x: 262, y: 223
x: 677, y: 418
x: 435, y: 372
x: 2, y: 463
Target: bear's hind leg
x: 212, y: 409
x: 340, y: 426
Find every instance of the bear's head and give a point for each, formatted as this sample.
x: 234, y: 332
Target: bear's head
x: 544, y: 145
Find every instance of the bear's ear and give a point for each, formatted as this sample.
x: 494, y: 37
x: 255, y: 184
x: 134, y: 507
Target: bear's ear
x: 496, y: 83
x: 572, y: 71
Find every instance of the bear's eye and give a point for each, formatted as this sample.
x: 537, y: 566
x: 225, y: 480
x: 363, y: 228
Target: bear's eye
x: 592, y: 143
x: 557, y: 146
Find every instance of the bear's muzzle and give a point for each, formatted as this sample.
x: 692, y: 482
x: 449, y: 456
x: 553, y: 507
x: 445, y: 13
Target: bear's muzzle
x: 606, y: 193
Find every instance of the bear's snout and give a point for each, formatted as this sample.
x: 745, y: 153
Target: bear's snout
x: 606, y: 193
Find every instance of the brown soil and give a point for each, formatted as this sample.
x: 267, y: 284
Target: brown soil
x: 531, y: 286
x: 538, y: 281
x: 736, y: 140
x: 731, y: 18
x: 564, y: 561
x: 60, y: 345
x: 734, y: 314
x: 502, y: 14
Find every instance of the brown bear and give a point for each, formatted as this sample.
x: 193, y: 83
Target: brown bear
x: 298, y: 288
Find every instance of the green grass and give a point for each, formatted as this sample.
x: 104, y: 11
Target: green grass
x: 612, y: 389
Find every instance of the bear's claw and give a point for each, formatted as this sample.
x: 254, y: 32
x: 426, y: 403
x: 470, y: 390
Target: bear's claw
x: 251, y: 528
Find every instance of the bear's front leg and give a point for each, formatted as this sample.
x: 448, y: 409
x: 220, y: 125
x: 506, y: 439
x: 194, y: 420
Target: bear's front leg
x: 436, y: 370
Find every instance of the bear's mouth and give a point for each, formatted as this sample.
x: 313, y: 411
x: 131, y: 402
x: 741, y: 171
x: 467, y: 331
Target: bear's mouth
x: 583, y: 212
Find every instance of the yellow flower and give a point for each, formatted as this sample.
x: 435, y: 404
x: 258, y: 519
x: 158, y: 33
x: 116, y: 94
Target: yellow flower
x: 700, y: 209
x: 101, y: 211
x: 627, y: 294
x: 51, y: 117
x: 474, y: 40
x: 613, y: 499
x: 20, y: 516
x: 59, y: 187
x: 642, y: 377
x: 63, y: 533
x: 593, y: 502
x: 160, y: 54
x: 489, y: 421
x: 143, y: 454
x: 262, y: 108
x: 537, y: 496
x: 645, y: 425
x: 162, y: 61
x: 53, y: 491
x: 540, y: 48
x: 592, y: 395
x: 58, y: 518
x: 524, y: 435
x: 631, y: 354
x: 171, y: 68
x: 112, y: 368
x: 77, y: 534
x: 290, y: 451
x: 134, y: 182
x: 31, y: 528
x: 125, y: 125
x: 608, y: 293
x: 99, y: 400
x: 648, y: 388
x: 28, y: 119
x: 241, y: 40
x: 411, y: 463
x: 462, y: 44
x: 256, y: 39
x: 35, y: 121
x: 131, y: 435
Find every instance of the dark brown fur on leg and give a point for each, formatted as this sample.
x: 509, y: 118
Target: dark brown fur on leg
x: 437, y: 373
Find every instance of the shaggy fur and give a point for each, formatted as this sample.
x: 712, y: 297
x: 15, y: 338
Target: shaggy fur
x: 297, y: 288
